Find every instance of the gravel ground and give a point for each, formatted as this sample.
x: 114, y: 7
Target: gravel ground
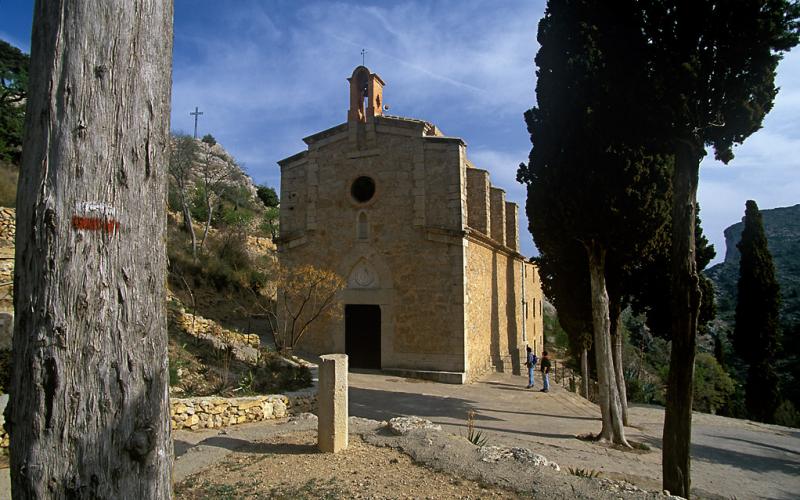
x: 380, y: 465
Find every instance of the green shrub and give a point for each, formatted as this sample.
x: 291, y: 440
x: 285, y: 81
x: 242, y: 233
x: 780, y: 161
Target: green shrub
x: 273, y: 374
x: 786, y: 414
x: 713, y: 387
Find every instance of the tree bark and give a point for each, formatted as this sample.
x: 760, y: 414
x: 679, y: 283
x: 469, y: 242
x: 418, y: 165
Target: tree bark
x: 585, y: 372
x: 187, y: 222
x: 89, y: 409
x: 210, y: 211
x: 676, y: 461
x: 615, y: 311
x: 608, y: 395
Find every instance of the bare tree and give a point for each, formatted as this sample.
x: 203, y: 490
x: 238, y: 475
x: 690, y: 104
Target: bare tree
x: 182, y: 157
x: 303, y: 295
x: 89, y: 412
x: 215, y: 172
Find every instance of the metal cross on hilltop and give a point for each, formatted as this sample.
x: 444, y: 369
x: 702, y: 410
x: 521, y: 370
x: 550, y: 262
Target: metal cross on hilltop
x: 196, y: 114
x: 363, y: 54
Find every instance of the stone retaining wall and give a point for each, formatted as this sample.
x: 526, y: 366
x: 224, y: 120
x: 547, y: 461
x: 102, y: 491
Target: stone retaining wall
x: 216, y: 412
x: 244, y: 346
x: 8, y: 224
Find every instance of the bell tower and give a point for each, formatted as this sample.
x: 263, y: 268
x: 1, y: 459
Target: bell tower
x: 366, y: 95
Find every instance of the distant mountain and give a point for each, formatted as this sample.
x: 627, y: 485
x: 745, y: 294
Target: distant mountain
x: 782, y: 227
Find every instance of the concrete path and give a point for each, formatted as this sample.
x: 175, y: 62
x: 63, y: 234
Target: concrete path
x: 731, y: 458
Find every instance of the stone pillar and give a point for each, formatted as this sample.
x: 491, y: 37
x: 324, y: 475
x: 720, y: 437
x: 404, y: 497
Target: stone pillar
x: 478, y: 200
x: 512, y: 226
x: 332, y: 403
x: 498, y: 215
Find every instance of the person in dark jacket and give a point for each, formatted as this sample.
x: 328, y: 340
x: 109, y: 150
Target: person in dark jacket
x: 545, y: 364
x: 531, y: 364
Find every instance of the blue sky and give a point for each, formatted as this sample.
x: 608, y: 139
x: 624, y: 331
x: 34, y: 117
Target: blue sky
x: 266, y: 74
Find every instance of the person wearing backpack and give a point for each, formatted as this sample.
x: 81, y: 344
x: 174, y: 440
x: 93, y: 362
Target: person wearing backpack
x: 531, y: 364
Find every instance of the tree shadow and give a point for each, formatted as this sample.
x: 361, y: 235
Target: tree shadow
x: 737, y: 459
x: 533, y: 413
x: 246, y: 446
x: 384, y: 405
x: 517, y: 432
x: 758, y: 443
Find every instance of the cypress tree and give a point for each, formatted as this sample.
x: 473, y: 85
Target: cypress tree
x: 756, y: 332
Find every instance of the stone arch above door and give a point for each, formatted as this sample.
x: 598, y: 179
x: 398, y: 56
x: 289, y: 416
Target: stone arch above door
x: 363, y: 275
x: 366, y: 270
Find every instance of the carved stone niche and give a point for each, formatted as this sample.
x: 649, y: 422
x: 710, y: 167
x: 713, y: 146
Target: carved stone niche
x: 363, y: 275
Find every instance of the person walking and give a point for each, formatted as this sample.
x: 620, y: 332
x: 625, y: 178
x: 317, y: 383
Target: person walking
x: 545, y: 364
x: 531, y: 364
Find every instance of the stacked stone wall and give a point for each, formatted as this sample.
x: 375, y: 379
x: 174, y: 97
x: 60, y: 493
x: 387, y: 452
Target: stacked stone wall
x: 213, y: 413
x: 8, y: 224
x: 243, y: 346
x: 7, y: 235
x: 216, y: 412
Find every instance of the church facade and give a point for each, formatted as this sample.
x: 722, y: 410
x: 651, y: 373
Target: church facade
x: 436, y: 286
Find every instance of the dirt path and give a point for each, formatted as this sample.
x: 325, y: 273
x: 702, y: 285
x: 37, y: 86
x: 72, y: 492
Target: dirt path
x: 427, y: 464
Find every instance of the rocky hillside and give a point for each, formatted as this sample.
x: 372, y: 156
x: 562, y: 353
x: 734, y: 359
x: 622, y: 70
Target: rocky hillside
x: 782, y: 227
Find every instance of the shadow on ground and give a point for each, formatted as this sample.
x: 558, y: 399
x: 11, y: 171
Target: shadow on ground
x: 375, y: 404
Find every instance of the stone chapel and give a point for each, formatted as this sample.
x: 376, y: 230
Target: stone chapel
x: 436, y: 286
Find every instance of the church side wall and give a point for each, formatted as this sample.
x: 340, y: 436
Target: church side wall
x: 494, y: 311
x: 534, y: 320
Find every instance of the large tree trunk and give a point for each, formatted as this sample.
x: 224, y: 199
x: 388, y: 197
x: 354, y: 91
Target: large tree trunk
x: 89, y: 412
x: 685, y: 305
x: 585, y: 372
x: 615, y: 311
x: 608, y: 395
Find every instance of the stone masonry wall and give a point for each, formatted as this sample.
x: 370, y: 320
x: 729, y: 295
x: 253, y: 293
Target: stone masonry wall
x: 494, y: 294
x: 496, y: 320
x: 8, y: 224
x: 534, y: 316
x: 213, y: 413
x: 216, y: 412
x: 7, y: 233
x: 412, y: 254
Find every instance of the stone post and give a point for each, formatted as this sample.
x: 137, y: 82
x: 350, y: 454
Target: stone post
x: 332, y: 403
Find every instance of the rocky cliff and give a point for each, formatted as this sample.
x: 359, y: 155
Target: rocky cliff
x: 782, y: 227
